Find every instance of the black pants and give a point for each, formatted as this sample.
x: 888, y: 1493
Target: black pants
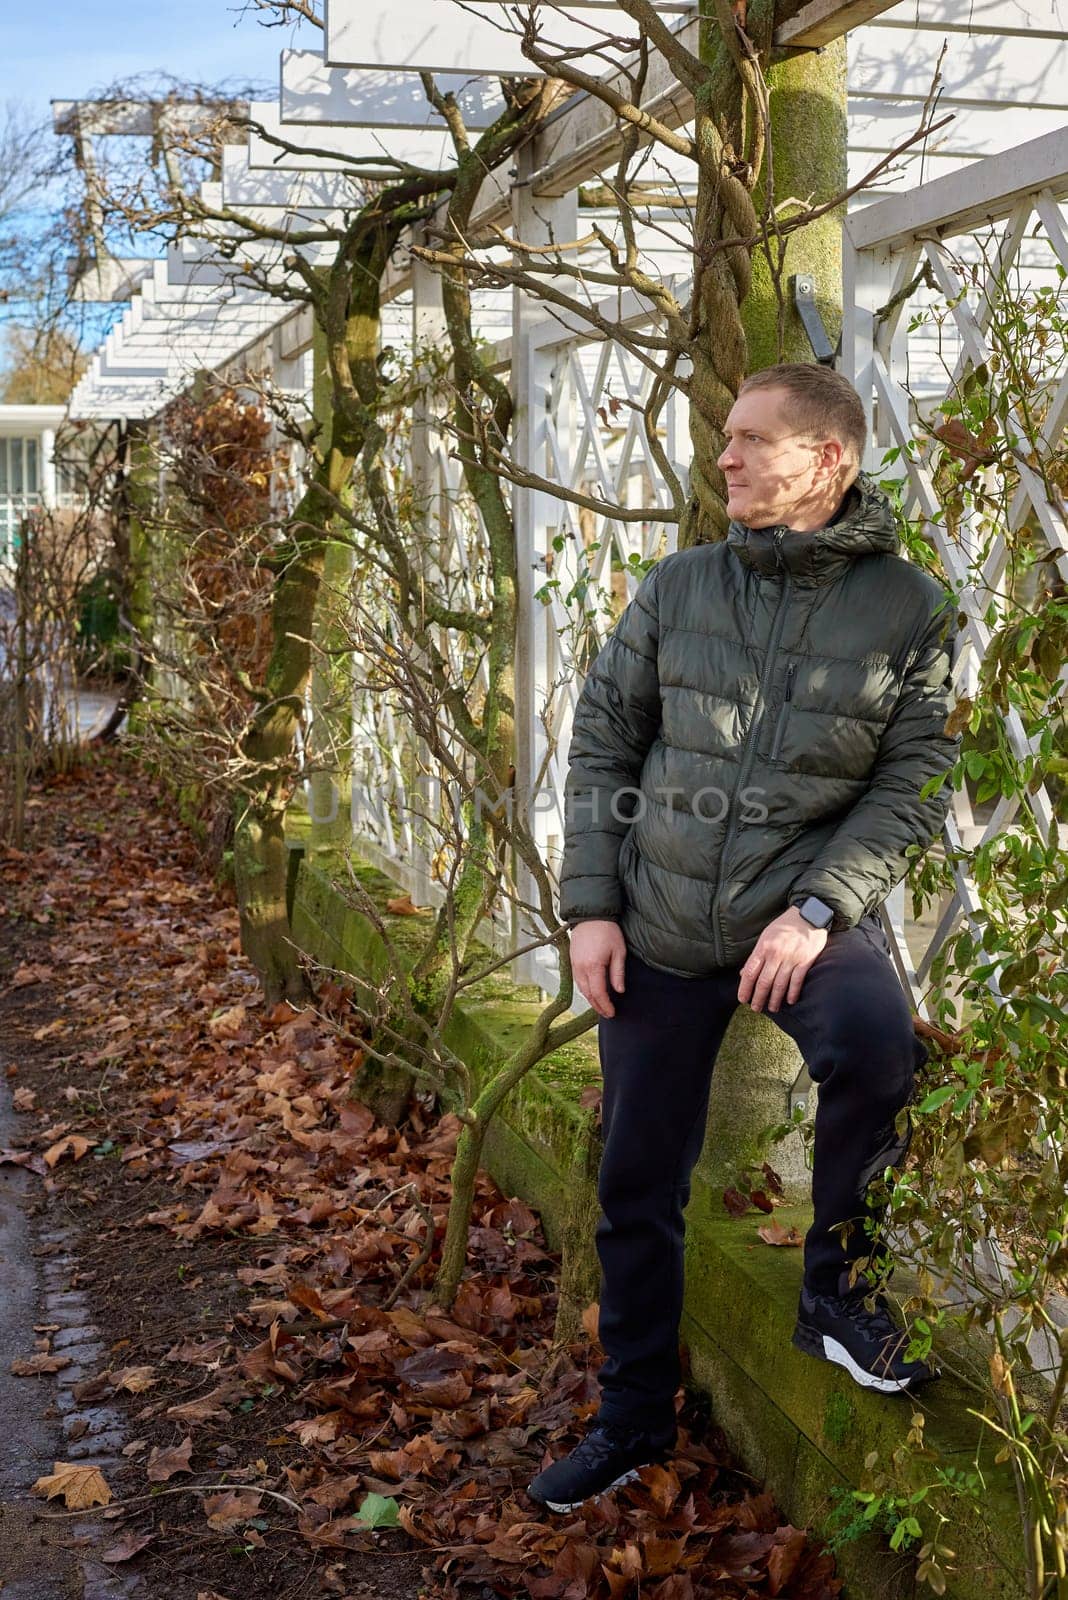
x: 853, y: 1027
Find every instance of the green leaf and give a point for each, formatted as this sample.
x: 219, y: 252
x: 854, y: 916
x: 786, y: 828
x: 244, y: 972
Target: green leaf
x: 938, y: 1097
x: 378, y: 1511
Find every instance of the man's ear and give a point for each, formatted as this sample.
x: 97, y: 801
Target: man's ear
x: 832, y: 459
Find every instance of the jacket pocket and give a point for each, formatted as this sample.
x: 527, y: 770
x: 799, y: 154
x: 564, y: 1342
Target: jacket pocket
x: 784, y: 712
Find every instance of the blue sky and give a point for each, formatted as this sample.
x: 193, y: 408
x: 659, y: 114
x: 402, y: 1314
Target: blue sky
x: 67, y: 49
x: 71, y: 49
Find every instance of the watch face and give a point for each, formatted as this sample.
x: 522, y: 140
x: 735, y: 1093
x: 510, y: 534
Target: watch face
x: 817, y: 913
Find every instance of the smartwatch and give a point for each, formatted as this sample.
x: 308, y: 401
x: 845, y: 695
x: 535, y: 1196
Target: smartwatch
x: 816, y: 912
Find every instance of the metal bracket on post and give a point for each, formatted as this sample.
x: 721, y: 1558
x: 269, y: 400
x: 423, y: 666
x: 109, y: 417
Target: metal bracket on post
x: 803, y: 290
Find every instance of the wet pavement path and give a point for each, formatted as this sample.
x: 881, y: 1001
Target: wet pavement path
x: 45, y: 1556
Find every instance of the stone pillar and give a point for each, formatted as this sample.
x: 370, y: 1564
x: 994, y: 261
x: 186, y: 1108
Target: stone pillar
x: 536, y: 219
x: 431, y: 515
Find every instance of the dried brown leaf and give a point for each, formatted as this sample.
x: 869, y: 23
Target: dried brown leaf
x: 130, y: 1545
x: 74, y: 1144
x: 774, y: 1233
x: 225, y: 1511
x: 80, y: 1486
x: 35, y: 1366
x: 165, y: 1464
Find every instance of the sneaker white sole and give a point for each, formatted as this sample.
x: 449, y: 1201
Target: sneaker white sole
x: 839, y: 1355
x: 573, y: 1505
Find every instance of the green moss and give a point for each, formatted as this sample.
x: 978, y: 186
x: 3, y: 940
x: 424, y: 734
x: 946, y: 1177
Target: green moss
x: 838, y: 1418
x: 808, y: 131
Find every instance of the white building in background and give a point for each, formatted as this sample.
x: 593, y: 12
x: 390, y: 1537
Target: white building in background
x: 28, y: 477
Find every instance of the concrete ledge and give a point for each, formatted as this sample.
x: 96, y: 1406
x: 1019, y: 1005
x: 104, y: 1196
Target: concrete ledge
x: 799, y: 1425
x: 805, y: 1427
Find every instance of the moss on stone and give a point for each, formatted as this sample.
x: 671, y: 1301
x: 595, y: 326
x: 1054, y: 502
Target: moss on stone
x: 838, y: 1418
x: 808, y: 129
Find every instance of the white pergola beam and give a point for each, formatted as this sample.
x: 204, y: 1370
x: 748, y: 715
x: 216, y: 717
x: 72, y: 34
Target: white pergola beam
x: 108, y: 398
x: 110, y: 278
x: 161, y: 291
x: 366, y: 97
x: 244, y: 185
x: 360, y: 151
x: 198, y: 261
x: 294, y: 217
x: 822, y: 21
x: 194, y: 330
x: 982, y: 193
x: 975, y: 17
x: 140, y: 118
x: 444, y: 36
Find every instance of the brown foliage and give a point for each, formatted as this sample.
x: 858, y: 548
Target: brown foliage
x: 230, y: 471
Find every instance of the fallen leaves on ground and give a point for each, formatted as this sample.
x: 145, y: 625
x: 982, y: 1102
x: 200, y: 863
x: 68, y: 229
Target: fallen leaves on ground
x: 281, y: 1216
x: 38, y: 1365
x: 163, y: 1464
x: 27, y: 974
x: 775, y: 1233
x: 231, y: 1508
x: 131, y: 1544
x: 135, y: 1380
x: 22, y: 1158
x: 73, y: 1144
x: 80, y: 1487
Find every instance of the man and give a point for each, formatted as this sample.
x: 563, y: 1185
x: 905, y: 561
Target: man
x: 745, y: 780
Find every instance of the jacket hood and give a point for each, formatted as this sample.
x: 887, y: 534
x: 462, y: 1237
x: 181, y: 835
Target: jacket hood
x: 865, y: 526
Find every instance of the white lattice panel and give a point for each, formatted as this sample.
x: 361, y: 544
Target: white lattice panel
x: 914, y: 346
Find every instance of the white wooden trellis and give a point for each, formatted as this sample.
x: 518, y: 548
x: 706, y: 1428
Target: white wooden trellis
x: 564, y: 381
x: 1014, y: 197
x: 584, y: 429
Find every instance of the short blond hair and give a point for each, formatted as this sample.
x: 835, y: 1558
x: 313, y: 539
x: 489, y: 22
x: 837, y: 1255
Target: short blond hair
x: 819, y: 402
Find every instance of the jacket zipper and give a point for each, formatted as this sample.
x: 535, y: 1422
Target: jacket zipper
x: 780, y: 726
x: 748, y: 749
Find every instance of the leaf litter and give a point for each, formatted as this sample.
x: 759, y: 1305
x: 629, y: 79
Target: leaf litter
x: 212, y: 1140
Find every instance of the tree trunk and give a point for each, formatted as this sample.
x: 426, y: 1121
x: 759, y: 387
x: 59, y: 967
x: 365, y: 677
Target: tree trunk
x: 20, y: 730
x: 349, y: 313
x: 808, y: 137
x: 260, y: 857
x: 493, y: 737
x: 737, y: 324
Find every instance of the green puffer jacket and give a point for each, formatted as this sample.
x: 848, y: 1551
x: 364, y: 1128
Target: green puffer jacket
x: 758, y: 728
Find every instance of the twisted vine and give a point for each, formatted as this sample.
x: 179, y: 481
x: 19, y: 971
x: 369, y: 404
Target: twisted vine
x: 732, y: 93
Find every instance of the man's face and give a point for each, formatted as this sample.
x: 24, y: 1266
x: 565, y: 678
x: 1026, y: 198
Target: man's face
x: 773, y: 473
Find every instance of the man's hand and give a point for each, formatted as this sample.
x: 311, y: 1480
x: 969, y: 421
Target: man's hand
x: 779, y: 964
x: 598, y: 948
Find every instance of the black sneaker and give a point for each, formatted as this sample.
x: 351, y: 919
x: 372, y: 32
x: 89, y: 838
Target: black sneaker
x: 867, y: 1342
x: 607, y: 1457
